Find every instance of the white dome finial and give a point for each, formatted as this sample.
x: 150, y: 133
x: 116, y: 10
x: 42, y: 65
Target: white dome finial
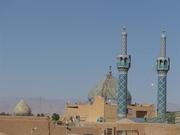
x: 124, y: 28
x: 163, y: 33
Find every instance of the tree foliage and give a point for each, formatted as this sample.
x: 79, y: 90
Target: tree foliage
x: 55, y: 117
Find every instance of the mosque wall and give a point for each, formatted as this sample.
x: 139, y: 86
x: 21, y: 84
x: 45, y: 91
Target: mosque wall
x: 91, y: 112
x: 84, y: 112
x: 71, y: 110
x: 87, y: 112
x: 110, y: 113
x: 97, y: 109
x: 141, y: 110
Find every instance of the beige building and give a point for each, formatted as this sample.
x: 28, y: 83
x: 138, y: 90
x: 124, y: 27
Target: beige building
x: 141, y: 111
x: 92, y: 112
x: 101, y: 110
x: 28, y: 125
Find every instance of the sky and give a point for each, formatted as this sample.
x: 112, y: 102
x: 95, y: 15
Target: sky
x: 60, y: 49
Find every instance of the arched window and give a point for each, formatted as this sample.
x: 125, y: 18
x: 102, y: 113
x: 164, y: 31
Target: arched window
x: 161, y: 64
x: 125, y: 61
x: 165, y: 63
x: 122, y: 61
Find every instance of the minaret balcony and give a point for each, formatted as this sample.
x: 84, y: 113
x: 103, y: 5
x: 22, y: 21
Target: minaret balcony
x: 163, y: 64
x: 124, y: 61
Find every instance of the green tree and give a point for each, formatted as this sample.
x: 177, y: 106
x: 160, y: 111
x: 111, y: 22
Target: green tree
x: 55, y: 117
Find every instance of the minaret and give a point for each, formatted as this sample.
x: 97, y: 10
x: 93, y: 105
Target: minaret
x: 123, y: 66
x: 163, y: 66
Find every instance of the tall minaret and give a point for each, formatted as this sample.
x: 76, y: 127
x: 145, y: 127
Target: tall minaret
x: 163, y: 66
x: 123, y: 66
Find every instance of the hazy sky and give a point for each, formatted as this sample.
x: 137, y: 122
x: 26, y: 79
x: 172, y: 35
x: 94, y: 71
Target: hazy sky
x: 61, y: 49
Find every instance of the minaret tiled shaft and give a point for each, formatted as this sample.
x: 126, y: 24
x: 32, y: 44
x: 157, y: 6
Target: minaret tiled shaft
x: 123, y: 66
x: 124, y: 42
x: 163, y: 65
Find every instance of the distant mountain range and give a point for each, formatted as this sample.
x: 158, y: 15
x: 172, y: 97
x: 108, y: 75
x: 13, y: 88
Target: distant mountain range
x: 47, y: 106
x: 173, y: 107
x: 37, y: 105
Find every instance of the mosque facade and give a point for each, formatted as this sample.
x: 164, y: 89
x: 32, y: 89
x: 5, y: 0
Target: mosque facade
x: 109, y: 111
x: 112, y: 89
x: 103, y: 104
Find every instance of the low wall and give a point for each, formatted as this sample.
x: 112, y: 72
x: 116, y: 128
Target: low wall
x: 139, y: 128
x: 14, y: 125
x: 162, y: 129
x: 75, y: 131
x: 11, y: 125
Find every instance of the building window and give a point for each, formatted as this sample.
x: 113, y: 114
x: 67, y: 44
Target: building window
x: 130, y: 111
x: 141, y: 114
x: 109, y: 131
x: 121, y: 133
